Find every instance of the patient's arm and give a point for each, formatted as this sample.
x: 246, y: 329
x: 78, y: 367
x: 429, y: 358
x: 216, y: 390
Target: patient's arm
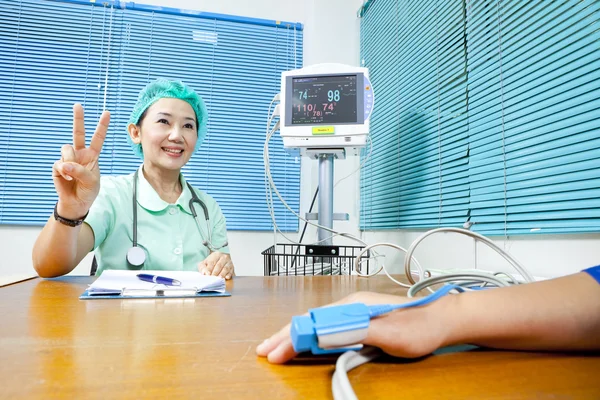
x: 557, y: 314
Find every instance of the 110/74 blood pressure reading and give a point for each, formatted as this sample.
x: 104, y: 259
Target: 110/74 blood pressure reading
x: 318, y: 110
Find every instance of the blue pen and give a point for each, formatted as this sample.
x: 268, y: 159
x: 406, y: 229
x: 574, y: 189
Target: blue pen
x: 159, y: 279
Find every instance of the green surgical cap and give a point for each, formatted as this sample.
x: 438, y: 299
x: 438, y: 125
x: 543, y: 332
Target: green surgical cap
x: 161, y: 89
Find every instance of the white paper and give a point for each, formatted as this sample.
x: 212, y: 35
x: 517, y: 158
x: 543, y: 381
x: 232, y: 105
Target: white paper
x: 115, y: 281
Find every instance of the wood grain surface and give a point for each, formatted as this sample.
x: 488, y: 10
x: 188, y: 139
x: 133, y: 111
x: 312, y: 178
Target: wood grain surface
x: 55, y: 346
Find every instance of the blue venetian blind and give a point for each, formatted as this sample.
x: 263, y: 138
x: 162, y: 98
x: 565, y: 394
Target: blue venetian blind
x: 56, y: 53
x: 518, y: 149
x: 418, y: 174
x: 45, y: 69
x: 534, y: 110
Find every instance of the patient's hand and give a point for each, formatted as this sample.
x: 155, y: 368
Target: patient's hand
x: 411, y: 332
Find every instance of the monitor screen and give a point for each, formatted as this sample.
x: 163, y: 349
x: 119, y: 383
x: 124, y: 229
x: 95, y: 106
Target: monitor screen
x: 325, y: 100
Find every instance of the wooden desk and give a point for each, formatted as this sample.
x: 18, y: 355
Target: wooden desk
x: 53, y: 345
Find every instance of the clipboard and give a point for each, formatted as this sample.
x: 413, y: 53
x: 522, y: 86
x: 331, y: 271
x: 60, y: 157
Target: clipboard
x: 156, y: 294
x: 124, y: 284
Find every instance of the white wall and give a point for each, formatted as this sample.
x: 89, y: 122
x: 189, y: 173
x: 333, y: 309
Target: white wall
x: 330, y: 35
x: 545, y: 256
x: 16, y: 243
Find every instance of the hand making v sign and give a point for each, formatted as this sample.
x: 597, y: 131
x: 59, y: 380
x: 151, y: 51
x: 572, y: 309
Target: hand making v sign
x: 77, y: 174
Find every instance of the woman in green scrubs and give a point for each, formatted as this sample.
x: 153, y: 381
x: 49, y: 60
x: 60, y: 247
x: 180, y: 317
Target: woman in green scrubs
x: 151, y: 207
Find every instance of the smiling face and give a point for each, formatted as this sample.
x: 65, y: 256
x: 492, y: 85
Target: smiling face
x: 167, y: 132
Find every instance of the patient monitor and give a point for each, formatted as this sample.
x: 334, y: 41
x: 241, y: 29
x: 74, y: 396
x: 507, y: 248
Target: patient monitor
x: 324, y: 111
x: 325, y: 106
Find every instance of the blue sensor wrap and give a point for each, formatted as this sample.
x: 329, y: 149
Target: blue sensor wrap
x: 331, y: 329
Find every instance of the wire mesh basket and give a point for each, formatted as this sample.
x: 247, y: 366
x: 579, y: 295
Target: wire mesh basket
x: 293, y: 259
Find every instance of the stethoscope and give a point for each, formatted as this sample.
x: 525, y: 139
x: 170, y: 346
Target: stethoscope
x: 136, y: 256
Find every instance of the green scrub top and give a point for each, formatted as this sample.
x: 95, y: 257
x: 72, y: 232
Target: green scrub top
x: 167, y: 232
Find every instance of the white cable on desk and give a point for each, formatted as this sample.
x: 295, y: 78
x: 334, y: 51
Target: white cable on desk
x: 524, y: 273
x: 358, y: 258
x: 340, y: 385
x: 425, y: 279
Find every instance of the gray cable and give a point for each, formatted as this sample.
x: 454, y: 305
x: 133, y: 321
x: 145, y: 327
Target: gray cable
x: 454, y: 278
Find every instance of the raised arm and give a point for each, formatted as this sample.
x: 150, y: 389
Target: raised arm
x: 60, y: 247
x: 557, y: 314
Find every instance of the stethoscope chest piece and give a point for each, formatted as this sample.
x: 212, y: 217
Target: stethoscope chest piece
x: 136, y: 256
